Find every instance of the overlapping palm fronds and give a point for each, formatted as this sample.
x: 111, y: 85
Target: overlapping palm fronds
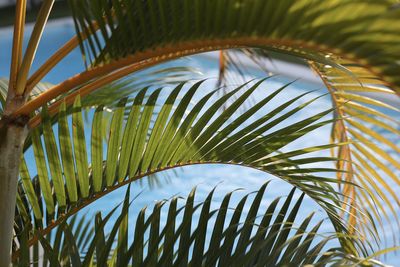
x: 58, y: 254
x: 110, y: 94
x: 120, y: 37
x: 132, y: 35
x: 177, y: 234
x: 202, y: 134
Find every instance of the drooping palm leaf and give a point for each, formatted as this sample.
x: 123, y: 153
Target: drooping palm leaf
x: 201, y: 134
x: 264, y: 236
x: 366, y: 116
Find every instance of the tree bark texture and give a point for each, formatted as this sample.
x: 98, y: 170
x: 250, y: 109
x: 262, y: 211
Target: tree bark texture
x: 13, y: 132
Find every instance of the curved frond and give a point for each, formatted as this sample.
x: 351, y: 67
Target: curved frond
x: 175, y: 135
x: 369, y: 36
x: 369, y: 120
x: 109, y: 94
x: 176, y: 233
x: 125, y: 36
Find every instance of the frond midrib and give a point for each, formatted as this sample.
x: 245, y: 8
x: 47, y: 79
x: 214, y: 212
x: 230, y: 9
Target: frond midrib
x: 96, y: 196
x: 154, y: 56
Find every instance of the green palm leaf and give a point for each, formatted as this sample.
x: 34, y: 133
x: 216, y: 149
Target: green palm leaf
x: 132, y: 28
x: 265, y: 235
x: 111, y: 94
x: 201, y: 134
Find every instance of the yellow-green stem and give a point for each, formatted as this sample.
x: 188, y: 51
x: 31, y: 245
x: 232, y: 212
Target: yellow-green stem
x: 32, y: 46
x: 18, y: 37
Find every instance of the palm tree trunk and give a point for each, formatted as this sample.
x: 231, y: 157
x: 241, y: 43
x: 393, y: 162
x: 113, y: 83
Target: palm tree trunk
x: 12, y: 136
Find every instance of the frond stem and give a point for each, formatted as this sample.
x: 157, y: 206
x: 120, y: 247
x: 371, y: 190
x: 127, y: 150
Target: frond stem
x: 85, y: 90
x: 18, y: 37
x: 347, y: 190
x: 157, y: 55
x: 54, y: 60
x: 33, y: 44
x: 86, y: 202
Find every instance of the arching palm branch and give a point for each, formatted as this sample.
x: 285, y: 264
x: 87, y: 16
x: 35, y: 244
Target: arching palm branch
x: 201, y: 134
x: 246, y: 234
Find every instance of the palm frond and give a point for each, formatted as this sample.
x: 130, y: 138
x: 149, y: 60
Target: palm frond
x: 125, y: 36
x: 54, y: 247
x: 109, y: 94
x: 371, y: 123
x: 367, y: 121
x: 202, y: 134
x: 176, y: 233
x: 132, y: 27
